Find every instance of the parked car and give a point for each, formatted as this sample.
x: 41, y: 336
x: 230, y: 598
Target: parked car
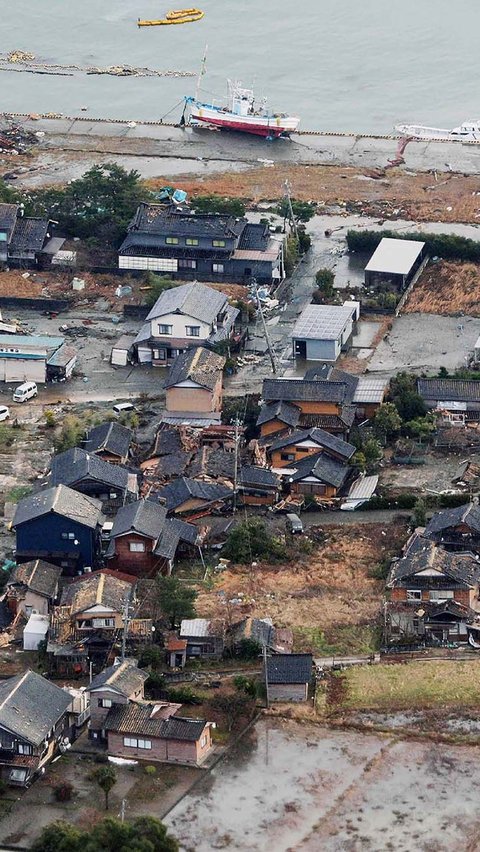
x: 294, y: 524
x: 4, y: 413
x: 120, y: 407
x: 24, y: 392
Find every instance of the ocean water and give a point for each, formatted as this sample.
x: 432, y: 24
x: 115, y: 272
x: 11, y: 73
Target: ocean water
x: 339, y: 64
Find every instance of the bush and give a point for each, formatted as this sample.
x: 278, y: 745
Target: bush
x: 18, y: 493
x: 248, y: 649
x: 183, y: 695
x: 251, y: 540
x: 406, y: 501
x: 101, y: 757
x: 451, y: 501
x: 50, y: 419
x: 448, y: 246
x: 376, y: 502
x: 302, y: 210
x: 152, y: 656
x: 217, y: 204
x: 63, y: 792
x: 246, y: 684
x: 150, y: 770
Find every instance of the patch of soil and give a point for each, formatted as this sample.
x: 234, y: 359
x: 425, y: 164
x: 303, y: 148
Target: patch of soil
x: 447, y: 288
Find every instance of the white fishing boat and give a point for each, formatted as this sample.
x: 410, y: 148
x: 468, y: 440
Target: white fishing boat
x: 469, y: 131
x: 241, y: 112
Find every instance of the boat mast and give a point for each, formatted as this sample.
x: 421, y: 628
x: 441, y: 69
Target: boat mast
x: 202, y: 72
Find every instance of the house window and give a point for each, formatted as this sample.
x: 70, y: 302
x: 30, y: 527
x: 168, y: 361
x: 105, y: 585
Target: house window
x: 103, y: 622
x: 104, y: 702
x: 70, y: 536
x: 218, y: 267
x: 287, y: 456
x: 187, y: 264
x: 3, y: 236
x: 137, y: 547
x: 191, y: 241
x: 18, y: 775
x: 203, y: 741
x: 314, y: 488
x: 192, y: 330
x: 218, y: 244
x: 23, y: 748
x: 165, y: 329
x: 440, y: 594
x: 171, y: 241
x: 133, y: 742
x: 414, y: 594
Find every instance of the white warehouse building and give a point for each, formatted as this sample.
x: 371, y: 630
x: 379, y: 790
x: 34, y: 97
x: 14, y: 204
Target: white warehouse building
x: 322, y: 332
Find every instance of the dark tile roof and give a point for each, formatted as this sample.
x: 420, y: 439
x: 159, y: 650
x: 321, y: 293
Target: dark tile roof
x: 97, y: 588
x: 195, y: 300
x: 60, y: 500
x: 299, y: 390
x: 158, y: 220
x: 319, y: 436
x: 30, y: 706
x: 167, y: 440
x: 323, y: 467
x: 337, y: 422
x: 8, y: 216
x: 142, y: 516
x: 168, y: 467
x: 29, y: 234
x: 39, y: 576
x: 424, y: 554
x: 289, y: 668
x: 257, y: 476
x: 124, y: 678
x: 217, y: 464
x: 175, y: 531
x: 198, y: 365
x: 136, y: 718
x: 75, y: 465
x: 255, y: 237
x: 182, y: 489
x: 110, y: 437
x: 449, y: 390
x: 468, y: 514
x: 279, y: 410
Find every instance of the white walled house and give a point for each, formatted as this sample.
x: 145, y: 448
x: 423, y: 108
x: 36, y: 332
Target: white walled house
x: 323, y: 332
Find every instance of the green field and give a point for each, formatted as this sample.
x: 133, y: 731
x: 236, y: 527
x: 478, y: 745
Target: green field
x: 415, y: 685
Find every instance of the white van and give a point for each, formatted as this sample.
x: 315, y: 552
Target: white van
x: 24, y: 392
x: 120, y: 407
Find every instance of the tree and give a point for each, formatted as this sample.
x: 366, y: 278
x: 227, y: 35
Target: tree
x: 176, y: 599
x: 251, y: 540
x: 106, y: 778
x: 218, y: 204
x: 232, y: 705
x: 143, y: 834
x: 387, y: 421
x: 373, y: 453
x: 419, y: 515
x: 324, y: 279
x: 302, y: 210
x: 70, y: 435
x: 403, y: 392
x: 422, y: 427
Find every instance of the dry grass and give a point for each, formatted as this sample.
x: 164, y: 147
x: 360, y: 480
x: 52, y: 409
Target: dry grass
x: 447, y: 288
x: 393, y: 192
x: 328, y: 598
x: 415, y: 685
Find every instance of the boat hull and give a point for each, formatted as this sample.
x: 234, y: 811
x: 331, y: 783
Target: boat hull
x: 435, y: 134
x: 266, y: 126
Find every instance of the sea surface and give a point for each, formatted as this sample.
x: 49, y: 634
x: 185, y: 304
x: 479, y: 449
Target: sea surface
x: 341, y: 65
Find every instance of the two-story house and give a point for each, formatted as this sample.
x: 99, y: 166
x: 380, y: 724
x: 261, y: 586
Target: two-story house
x: 313, y: 462
x: 60, y: 526
x: 119, y: 684
x: 433, y: 593
x: 87, y: 473
x: 33, y: 723
x: 195, y: 383
x: 184, y: 317
x: 109, y: 441
x: 33, y: 587
x: 200, y: 246
x: 144, y: 542
x: 23, y: 239
x: 456, y: 529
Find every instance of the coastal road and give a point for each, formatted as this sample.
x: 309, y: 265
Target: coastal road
x: 70, y: 146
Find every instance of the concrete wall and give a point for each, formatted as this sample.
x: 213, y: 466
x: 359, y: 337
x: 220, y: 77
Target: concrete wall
x: 323, y: 350
x: 288, y: 691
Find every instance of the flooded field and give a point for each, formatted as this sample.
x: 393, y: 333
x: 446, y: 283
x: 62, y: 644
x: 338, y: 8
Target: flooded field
x: 290, y: 786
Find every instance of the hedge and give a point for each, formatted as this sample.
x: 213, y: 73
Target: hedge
x: 447, y: 246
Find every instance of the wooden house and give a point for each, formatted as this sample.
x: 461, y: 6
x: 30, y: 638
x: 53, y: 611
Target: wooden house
x: 89, y: 474
x: 288, y: 676
x: 456, y: 529
x: 116, y: 685
x: 194, y: 384
x: 33, y: 587
x: 205, y: 639
x: 110, y: 441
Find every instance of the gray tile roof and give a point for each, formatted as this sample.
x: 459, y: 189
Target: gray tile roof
x: 29, y: 234
x: 319, y: 436
x: 279, y: 410
x: 157, y: 220
x: 323, y: 467
x: 182, y: 489
x: 60, y: 500
x: 30, y: 706
x: 257, y: 476
x: 142, y: 516
x: 100, y: 587
x: 8, y: 216
x: 124, y: 678
x: 217, y: 464
x: 75, y: 465
x: 424, y: 554
x: 39, y: 576
x: 136, y: 718
x: 289, y: 668
x: 468, y: 514
x: 175, y: 531
x: 194, y: 300
x: 299, y: 390
x: 198, y: 365
x: 449, y: 390
x: 110, y: 437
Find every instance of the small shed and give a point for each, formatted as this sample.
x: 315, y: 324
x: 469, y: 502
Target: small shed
x: 121, y: 351
x: 35, y: 631
x: 322, y: 332
x: 288, y: 676
x: 396, y: 262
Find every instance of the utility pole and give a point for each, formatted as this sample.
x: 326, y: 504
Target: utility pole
x: 126, y: 622
x: 267, y: 696
x: 259, y: 306
x: 288, y: 197
x: 235, y: 468
x: 122, y: 811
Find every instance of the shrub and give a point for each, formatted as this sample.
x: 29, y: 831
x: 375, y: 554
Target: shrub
x: 152, y: 656
x: 101, y: 757
x: 63, y: 792
x: 183, y: 695
x: 451, y: 501
x: 246, y: 684
x: 251, y: 540
x: 376, y: 502
x: 448, y: 246
x: 249, y: 649
x: 150, y: 770
x: 218, y: 204
x: 50, y: 419
x: 406, y: 501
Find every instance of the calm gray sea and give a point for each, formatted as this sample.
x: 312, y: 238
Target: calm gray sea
x: 339, y: 64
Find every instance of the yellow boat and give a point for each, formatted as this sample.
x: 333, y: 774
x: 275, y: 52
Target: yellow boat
x: 176, y: 16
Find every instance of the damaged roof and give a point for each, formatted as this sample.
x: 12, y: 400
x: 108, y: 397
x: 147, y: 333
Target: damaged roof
x: 289, y: 668
x: 194, y: 300
x: 143, y: 516
x: 322, y: 467
x: 60, y: 500
x: 76, y: 464
x: 158, y: 220
x: 425, y: 556
x: 135, y: 718
x: 451, y: 390
x: 29, y: 234
x: 197, y: 365
x: 300, y: 390
x: 262, y: 477
x: 38, y: 576
x: 99, y: 588
x: 318, y: 436
x: 30, y: 706
x: 124, y: 678
x: 279, y: 410
x: 110, y: 437
x: 183, y: 489
x: 468, y: 515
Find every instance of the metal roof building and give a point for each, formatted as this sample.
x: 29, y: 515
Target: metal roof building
x: 323, y: 331
x: 395, y: 260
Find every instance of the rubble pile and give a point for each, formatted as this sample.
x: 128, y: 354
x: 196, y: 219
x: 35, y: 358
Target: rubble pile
x: 15, y: 139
